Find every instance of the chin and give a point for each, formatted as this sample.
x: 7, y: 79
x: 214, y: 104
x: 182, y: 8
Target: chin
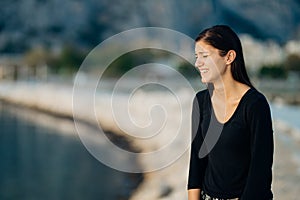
x: 203, y: 80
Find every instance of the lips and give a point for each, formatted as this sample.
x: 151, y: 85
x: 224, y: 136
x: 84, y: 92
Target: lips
x: 203, y: 70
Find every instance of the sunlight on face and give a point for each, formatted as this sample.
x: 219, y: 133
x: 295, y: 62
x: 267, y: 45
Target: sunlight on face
x: 208, y: 62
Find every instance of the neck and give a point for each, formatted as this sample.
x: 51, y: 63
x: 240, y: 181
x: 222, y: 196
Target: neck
x: 228, y: 87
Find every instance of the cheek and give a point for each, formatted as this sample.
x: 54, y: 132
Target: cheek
x: 211, y: 64
x: 216, y: 65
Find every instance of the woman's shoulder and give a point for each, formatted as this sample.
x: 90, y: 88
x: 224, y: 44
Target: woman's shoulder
x: 201, y: 97
x: 255, y: 97
x: 202, y: 93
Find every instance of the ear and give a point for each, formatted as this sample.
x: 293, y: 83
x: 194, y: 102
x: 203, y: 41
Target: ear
x: 230, y: 56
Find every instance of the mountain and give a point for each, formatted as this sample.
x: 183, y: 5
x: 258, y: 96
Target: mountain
x: 25, y: 24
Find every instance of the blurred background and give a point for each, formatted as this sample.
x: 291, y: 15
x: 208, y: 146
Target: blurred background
x: 42, y: 46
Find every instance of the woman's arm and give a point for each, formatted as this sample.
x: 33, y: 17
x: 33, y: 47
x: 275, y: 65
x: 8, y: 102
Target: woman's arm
x: 194, y: 194
x: 258, y: 185
x: 197, y: 165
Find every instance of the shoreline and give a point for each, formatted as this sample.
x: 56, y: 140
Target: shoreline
x: 38, y: 97
x: 174, y: 176
x: 64, y: 126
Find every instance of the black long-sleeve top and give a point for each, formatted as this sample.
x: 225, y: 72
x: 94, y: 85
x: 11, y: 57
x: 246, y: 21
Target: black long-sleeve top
x: 240, y: 162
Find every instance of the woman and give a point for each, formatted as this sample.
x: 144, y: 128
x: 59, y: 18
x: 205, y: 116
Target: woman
x: 232, y: 149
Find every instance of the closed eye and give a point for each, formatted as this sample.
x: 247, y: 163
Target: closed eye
x: 202, y: 55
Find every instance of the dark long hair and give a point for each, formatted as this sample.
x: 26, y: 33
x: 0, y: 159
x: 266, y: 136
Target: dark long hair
x: 223, y: 38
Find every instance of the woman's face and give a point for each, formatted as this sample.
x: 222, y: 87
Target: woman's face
x: 209, y: 63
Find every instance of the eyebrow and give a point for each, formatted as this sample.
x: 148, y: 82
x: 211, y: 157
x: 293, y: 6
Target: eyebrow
x: 201, y: 52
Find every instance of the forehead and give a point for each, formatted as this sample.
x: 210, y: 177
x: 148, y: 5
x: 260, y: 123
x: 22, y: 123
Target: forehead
x: 202, y: 47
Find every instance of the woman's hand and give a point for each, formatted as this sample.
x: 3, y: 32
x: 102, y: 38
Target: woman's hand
x: 194, y: 194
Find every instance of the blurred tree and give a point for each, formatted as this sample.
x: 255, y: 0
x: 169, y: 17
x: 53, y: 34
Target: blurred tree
x: 68, y: 61
x: 187, y: 70
x: 275, y: 71
x: 121, y: 65
x: 292, y: 63
x: 135, y: 58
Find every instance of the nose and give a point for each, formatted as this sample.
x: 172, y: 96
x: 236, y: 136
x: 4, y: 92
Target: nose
x: 199, y: 62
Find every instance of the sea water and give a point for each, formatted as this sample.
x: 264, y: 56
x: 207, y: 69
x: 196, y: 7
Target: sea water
x: 289, y: 114
x: 40, y: 162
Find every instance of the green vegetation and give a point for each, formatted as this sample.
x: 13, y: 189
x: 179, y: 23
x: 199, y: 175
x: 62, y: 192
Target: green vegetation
x: 292, y: 63
x: 273, y: 71
x: 124, y: 63
x: 188, y: 70
x: 145, y: 56
x: 66, y: 62
x: 281, y: 70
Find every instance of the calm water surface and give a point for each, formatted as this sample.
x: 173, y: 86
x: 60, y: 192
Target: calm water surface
x: 38, y: 162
